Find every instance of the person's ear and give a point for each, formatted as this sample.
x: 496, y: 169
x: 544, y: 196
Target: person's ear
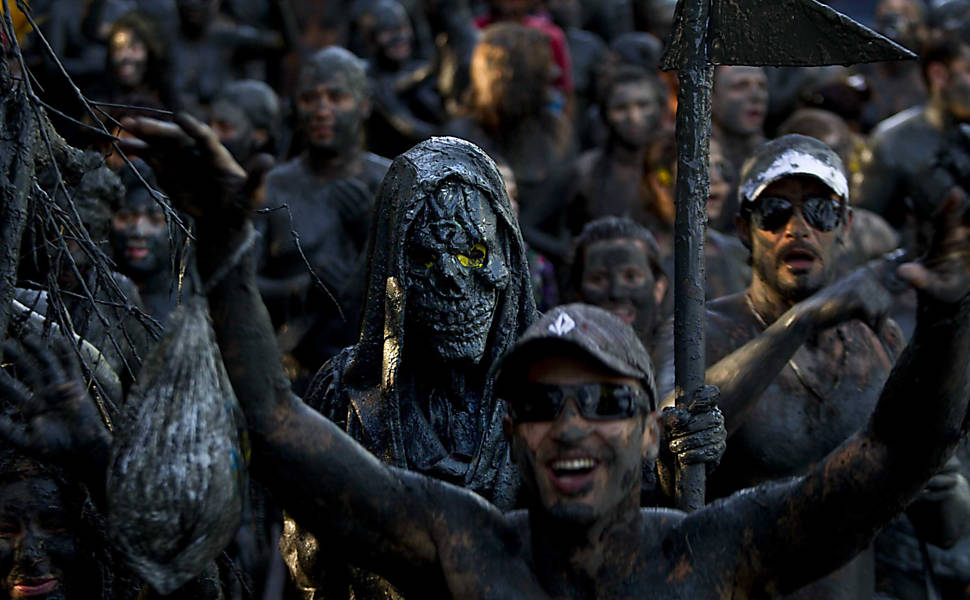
x: 364, y: 107
x: 937, y: 75
x: 847, y: 227
x: 660, y: 289
x: 651, y: 436
x: 743, y: 227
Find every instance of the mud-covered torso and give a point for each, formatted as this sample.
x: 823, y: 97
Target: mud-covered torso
x: 822, y: 396
x: 676, y: 559
x: 809, y: 409
x: 603, y: 189
x: 331, y: 218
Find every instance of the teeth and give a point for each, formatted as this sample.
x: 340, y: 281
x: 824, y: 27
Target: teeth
x: 574, y: 464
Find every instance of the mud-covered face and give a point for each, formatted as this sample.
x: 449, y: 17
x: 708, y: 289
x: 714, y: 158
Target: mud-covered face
x: 899, y: 20
x: 330, y: 113
x: 633, y: 113
x: 129, y: 57
x: 39, y: 550
x: 393, y: 35
x: 139, y: 236
x: 574, y: 468
x: 956, y: 94
x: 795, y: 259
x: 740, y: 100
x: 617, y: 277
x: 455, y: 270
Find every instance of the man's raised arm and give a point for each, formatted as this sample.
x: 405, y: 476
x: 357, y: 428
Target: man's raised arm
x: 796, y: 531
x: 744, y: 374
x: 375, y: 514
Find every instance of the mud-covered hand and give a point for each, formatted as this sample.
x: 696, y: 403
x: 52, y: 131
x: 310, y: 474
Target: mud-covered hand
x: 192, y: 167
x: 943, y: 274
x: 691, y: 435
x: 858, y: 295
x: 57, y: 420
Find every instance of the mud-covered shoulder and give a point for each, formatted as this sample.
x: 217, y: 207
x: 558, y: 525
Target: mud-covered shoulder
x: 730, y: 325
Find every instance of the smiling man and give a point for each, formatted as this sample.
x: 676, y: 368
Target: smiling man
x: 49, y: 548
x: 323, y: 198
x: 581, y: 417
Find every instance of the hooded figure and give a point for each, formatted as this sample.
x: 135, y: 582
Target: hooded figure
x: 430, y: 308
x: 448, y: 293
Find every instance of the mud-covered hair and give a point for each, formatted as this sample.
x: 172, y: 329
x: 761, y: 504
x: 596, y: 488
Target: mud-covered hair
x: 942, y: 47
x: 328, y: 61
x: 93, y: 194
x: 601, y: 230
x: 627, y: 74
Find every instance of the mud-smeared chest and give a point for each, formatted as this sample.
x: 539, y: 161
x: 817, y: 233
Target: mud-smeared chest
x: 808, y: 410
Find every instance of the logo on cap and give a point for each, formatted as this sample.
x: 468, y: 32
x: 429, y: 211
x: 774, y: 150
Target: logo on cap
x: 562, y: 325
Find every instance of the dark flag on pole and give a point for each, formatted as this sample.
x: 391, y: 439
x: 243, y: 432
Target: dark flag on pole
x: 734, y: 32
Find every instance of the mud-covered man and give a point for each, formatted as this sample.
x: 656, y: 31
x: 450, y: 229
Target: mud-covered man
x: 801, y: 361
x: 580, y: 420
x: 739, y: 103
x: 581, y: 417
x: 140, y: 241
x: 609, y: 179
x: 897, y: 180
x: 328, y: 192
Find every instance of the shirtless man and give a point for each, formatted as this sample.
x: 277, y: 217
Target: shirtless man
x: 581, y: 418
x: 800, y: 365
x: 329, y: 192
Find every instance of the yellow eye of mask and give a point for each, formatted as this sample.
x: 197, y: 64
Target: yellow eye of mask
x: 475, y: 257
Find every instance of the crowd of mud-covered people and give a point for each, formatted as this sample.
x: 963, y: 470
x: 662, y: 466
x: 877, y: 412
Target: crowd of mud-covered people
x: 441, y: 233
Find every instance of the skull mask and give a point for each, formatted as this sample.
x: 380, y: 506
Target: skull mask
x: 455, y: 268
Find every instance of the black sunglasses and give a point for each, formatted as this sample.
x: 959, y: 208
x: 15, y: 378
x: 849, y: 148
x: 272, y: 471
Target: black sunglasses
x: 821, y: 212
x: 596, y: 401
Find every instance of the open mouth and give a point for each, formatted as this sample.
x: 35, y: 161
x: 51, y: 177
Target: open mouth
x: 573, y: 475
x: 136, y: 253
x: 33, y: 587
x: 755, y: 115
x: 626, y: 313
x: 799, y: 260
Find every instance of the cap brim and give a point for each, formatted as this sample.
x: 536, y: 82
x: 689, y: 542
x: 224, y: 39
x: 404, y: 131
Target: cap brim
x: 524, y: 354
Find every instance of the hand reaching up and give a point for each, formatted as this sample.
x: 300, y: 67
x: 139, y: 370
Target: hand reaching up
x: 192, y: 166
x: 59, y: 422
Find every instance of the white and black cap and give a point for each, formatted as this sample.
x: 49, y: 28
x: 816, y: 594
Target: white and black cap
x: 792, y: 155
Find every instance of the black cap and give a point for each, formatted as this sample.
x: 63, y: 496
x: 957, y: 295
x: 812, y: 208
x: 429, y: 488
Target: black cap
x: 588, y: 332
